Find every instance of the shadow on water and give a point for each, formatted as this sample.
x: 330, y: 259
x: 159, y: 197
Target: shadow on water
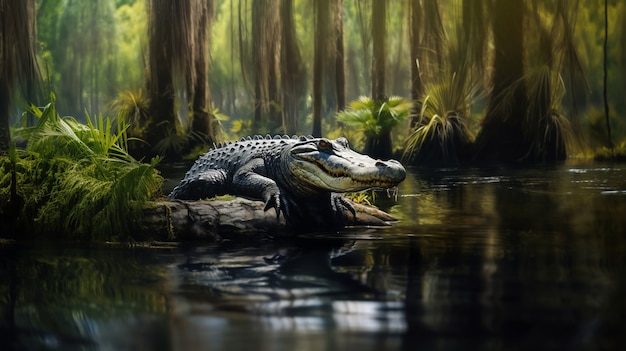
x: 494, y: 259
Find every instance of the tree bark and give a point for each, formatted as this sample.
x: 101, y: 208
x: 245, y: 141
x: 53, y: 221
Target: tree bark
x: 379, y: 18
x: 18, y: 63
x: 340, y: 75
x: 178, y: 220
x: 5, y: 109
x: 605, y: 71
x: 501, y: 138
x: 265, y: 55
x: 160, y: 82
x: 291, y: 68
x: 321, y: 35
x: 201, y: 99
x: 417, y: 86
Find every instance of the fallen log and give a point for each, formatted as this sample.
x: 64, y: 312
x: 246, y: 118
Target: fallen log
x: 216, y: 220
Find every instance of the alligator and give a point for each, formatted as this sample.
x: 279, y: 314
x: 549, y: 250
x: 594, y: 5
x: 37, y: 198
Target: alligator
x: 300, y: 176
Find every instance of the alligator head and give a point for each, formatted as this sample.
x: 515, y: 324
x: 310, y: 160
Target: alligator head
x: 322, y: 165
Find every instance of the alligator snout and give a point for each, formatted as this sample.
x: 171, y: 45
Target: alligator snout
x: 391, y: 169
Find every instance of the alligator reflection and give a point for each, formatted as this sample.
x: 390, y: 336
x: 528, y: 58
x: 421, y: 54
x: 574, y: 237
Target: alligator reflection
x: 290, y: 289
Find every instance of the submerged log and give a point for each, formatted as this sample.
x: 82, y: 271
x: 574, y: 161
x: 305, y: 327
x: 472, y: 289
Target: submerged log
x: 179, y: 220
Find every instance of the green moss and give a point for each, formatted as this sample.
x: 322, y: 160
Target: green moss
x: 226, y: 197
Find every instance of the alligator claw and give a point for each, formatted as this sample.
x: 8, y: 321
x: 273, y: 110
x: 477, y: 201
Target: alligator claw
x: 282, y: 204
x: 337, y: 205
x: 274, y: 202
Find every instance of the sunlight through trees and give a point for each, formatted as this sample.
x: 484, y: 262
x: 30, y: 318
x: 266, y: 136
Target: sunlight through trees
x: 217, y: 69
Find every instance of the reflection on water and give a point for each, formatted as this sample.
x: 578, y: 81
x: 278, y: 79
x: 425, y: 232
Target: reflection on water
x: 67, y: 297
x: 481, y: 259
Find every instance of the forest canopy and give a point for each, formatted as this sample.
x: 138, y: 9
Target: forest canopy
x: 518, y: 80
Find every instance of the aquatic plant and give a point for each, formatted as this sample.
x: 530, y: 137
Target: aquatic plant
x: 616, y: 153
x: 442, y: 135
x: 78, y: 180
x: 131, y: 107
x: 376, y: 118
x: 548, y: 130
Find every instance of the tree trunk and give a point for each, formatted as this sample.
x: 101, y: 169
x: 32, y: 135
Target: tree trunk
x: 378, y: 26
x: 5, y: 110
x: 340, y: 75
x: 201, y: 100
x: 257, y: 120
x: 273, y: 96
x: 321, y: 35
x: 604, y: 80
x: 265, y: 29
x: 290, y: 61
x: 501, y: 138
x: 177, y: 220
x: 417, y: 86
x: 379, y: 146
x: 160, y: 84
x: 17, y: 58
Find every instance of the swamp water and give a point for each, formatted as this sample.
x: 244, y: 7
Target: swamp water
x: 482, y: 259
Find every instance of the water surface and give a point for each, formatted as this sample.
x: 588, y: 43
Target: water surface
x: 486, y: 259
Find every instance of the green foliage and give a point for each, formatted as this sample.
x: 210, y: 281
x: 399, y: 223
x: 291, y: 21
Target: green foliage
x: 131, y: 107
x: 241, y: 128
x: 217, y: 124
x: 173, y: 143
x: 131, y: 27
x: 93, y: 51
x: 354, y: 135
x: 78, y: 180
x: 617, y: 153
x: 594, y: 126
x: 366, y: 197
x: 375, y: 117
x: 443, y: 133
x: 548, y: 130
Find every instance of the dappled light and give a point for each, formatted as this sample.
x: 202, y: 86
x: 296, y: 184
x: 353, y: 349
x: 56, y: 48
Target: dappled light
x: 273, y: 68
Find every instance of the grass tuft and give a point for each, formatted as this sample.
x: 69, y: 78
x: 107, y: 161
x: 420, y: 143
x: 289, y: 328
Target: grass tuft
x: 78, y: 180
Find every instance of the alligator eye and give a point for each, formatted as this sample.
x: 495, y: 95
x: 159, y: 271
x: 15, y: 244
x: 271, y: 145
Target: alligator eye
x: 323, y: 144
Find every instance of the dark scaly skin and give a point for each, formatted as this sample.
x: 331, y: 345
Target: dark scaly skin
x: 298, y: 176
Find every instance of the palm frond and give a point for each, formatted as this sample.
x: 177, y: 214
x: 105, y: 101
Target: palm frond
x: 375, y: 117
x: 548, y: 132
x: 173, y: 143
x: 443, y: 135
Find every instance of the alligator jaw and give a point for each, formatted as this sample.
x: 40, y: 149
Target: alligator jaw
x: 342, y: 184
x: 343, y: 170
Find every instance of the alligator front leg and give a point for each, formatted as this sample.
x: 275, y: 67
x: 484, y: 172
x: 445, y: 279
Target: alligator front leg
x: 251, y: 181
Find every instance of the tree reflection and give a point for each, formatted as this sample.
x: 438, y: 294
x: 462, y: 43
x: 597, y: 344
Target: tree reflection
x: 69, y: 298
x: 536, y: 265
x: 482, y: 259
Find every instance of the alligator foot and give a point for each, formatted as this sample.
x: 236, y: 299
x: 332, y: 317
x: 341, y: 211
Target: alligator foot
x: 337, y: 205
x: 284, y: 204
